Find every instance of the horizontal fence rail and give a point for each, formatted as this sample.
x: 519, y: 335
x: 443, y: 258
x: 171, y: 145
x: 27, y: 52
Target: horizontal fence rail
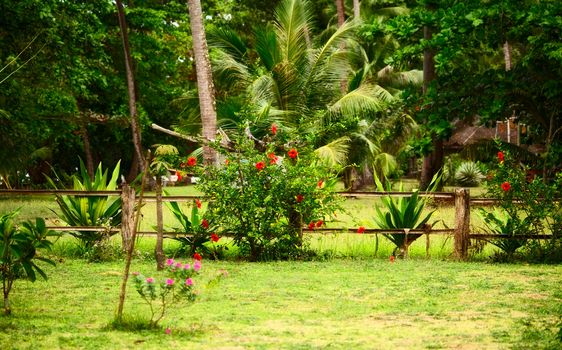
x: 461, y: 199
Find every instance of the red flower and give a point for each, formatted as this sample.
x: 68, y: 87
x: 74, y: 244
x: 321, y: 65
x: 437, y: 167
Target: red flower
x: 273, y: 129
x: 300, y: 198
x: 226, y: 162
x: 506, y: 186
x: 272, y: 158
x: 196, y: 256
x: 321, y: 184
x: 205, y: 224
x: 198, y: 203
x: 311, y: 226
x: 191, y: 161
x: 260, y: 165
x: 418, y: 108
x: 361, y: 229
x: 319, y: 223
x: 391, y: 258
x: 215, y: 237
x: 178, y: 174
x: 500, y: 156
x: 293, y: 153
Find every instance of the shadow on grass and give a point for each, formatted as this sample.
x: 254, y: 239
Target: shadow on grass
x: 135, y: 324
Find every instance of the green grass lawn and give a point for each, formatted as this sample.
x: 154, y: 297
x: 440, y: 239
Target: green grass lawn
x: 335, y: 304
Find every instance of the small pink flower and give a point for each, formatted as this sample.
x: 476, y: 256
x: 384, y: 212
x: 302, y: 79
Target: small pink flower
x: 150, y: 280
x: 186, y: 267
x: 189, y: 282
x: 168, y: 330
x: 197, y: 265
x: 169, y: 282
x: 170, y: 262
x: 136, y: 273
x: 179, y: 265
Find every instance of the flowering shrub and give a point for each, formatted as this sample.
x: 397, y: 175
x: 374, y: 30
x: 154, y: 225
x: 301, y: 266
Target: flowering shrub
x: 177, y: 286
x: 529, y: 207
x: 264, y: 194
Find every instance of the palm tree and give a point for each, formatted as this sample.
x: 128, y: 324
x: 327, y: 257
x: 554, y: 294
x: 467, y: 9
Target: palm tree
x: 205, y: 87
x: 297, y: 87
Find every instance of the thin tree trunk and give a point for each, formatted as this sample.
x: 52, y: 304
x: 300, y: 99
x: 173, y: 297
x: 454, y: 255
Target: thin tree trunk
x: 87, y: 148
x: 507, y: 55
x: 341, y: 20
x: 135, y: 125
x: 356, y: 9
x: 205, y: 86
x: 159, y: 249
x: 433, y: 161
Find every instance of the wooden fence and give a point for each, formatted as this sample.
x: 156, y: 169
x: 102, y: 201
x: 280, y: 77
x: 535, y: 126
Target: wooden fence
x: 460, y: 197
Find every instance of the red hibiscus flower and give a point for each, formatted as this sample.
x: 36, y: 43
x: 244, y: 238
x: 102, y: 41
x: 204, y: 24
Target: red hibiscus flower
x: 321, y: 184
x: 506, y: 186
x: 391, y: 259
x: 418, y: 108
x: 500, y: 156
x: 226, y: 162
x: 198, y: 203
x: 361, y: 229
x: 196, y: 256
x: 191, y: 161
x: 215, y: 237
x: 319, y: 223
x: 300, y: 198
x: 273, y: 129
x: 178, y: 174
x: 205, y: 224
x: 293, y: 153
x: 260, y: 165
x: 311, y: 226
x: 272, y: 158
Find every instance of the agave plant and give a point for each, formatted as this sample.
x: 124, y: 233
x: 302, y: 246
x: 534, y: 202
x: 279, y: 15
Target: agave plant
x: 504, y: 225
x: 18, y: 251
x: 197, y: 229
x: 403, y: 213
x: 468, y: 174
x: 91, y: 211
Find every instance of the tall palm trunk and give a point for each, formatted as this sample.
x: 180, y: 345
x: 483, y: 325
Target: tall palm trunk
x: 433, y: 161
x: 356, y: 9
x: 131, y: 88
x: 205, y: 86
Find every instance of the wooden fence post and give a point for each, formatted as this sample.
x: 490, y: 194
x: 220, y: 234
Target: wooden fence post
x: 127, y: 215
x: 462, y: 222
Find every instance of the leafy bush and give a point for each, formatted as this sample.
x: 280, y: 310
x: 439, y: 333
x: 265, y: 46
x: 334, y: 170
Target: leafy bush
x: 403, y: 213
x: 468, y: 174
x: 19, y: 251
x: 102, y: 211
x: 263, y: 196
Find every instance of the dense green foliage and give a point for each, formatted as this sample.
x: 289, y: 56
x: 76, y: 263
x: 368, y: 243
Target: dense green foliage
x: 19, y: 253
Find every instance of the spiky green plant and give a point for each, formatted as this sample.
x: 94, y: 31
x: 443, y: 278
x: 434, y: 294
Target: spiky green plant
x: 102, y: 211
x: 503, y: 225
x: 468, y: 174
x: 197, y: 232
x: 403, y: 213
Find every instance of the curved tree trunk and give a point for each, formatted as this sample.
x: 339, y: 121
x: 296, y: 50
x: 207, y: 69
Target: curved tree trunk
x: 205, y: 86
x: 131, y: 88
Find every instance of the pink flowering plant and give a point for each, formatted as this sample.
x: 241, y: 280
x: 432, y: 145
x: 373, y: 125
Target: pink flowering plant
x: 176, y: 286
x: 266, y: 190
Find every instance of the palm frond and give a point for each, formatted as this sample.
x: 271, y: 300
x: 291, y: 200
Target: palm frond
x: 335, y: 152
